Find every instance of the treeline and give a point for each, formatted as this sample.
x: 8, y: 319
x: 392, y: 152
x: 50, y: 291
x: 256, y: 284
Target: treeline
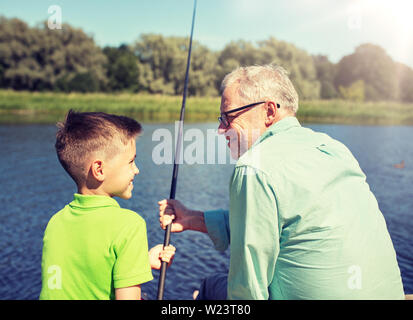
x: 66, y: 60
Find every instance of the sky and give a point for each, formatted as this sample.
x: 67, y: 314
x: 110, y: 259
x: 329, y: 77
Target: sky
x: 329, y: 27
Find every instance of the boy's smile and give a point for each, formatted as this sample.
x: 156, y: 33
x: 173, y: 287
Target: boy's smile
x: 120, y: 172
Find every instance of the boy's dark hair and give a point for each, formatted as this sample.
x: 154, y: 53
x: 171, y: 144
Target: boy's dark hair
x: 85, y: 134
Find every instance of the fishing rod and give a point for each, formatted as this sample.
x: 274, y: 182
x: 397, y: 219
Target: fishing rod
x: 162, y: 275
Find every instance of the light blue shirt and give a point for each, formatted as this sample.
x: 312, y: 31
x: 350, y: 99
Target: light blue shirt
x: 304, y: 223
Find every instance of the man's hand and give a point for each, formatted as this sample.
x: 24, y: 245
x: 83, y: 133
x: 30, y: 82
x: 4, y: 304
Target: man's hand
x: 158, y: 254
x: 181, y: 217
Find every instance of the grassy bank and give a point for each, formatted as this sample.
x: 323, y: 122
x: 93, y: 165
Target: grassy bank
x: 47, y: 107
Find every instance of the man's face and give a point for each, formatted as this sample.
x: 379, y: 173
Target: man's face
x: 245, y: 126
x: 120, y: 172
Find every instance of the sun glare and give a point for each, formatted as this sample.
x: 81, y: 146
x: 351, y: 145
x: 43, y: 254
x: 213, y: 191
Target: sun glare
x: 400, y: 10
x: 393, y: 17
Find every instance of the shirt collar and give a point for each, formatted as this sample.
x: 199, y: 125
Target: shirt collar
x: 92, y: 201
x: 278, y: 127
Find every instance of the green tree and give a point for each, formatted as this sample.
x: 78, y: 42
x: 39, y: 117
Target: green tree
x: 325, y: 75
x: 18, y: 55
x: 244, y: 52
x: 371, y: 64
x: 297, y: 62
x: 163, y: 65
x: 71, y: 53
x: 203, y: 71
x: 405, y: 82
x: 122, y: 68
x: 235, y: 54
x: 83, y: 82
x: 165, y: 60
x: 37, y: 58
x: 354, y: 92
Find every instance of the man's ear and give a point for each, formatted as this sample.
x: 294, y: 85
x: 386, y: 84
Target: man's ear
x: 271, y: 115
x: 96, y: 168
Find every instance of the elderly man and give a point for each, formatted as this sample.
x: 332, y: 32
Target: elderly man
x: 302, y: 222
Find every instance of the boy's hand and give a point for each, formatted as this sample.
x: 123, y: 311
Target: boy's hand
x: 182, y: 218
x: 173, y: 210
x: 158, y: 254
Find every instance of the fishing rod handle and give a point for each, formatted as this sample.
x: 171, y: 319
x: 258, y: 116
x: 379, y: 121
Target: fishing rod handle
x: 164, y: 264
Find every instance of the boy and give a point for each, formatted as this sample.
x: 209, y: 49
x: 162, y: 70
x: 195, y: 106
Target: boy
x: 92, y: 248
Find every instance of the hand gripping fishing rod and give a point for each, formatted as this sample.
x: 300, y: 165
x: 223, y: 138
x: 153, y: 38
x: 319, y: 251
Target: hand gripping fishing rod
x: 162, y: 274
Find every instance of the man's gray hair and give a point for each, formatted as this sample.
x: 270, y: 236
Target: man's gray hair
x: 259, y: 83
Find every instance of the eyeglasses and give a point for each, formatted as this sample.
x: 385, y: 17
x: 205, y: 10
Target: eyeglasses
x: 223, y: 119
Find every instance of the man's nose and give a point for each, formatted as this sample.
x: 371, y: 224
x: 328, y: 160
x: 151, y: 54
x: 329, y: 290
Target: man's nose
x: 221, y: 129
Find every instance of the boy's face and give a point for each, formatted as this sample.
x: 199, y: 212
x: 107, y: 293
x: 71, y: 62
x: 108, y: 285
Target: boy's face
x: 120, y: 172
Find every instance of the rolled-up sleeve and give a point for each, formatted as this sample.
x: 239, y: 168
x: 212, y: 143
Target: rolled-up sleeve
x: 217, y: 224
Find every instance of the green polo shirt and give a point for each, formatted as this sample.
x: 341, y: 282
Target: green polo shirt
x: 91, y: 247
x: 303, y: 223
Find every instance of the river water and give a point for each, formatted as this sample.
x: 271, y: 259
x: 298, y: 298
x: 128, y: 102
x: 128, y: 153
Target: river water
x: 34, y: 186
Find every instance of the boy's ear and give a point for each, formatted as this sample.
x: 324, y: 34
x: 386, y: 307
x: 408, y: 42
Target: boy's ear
x: 97, y: 170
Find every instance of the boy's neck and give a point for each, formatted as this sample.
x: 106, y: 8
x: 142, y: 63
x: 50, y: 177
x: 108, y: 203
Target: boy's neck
x: 91, y: 192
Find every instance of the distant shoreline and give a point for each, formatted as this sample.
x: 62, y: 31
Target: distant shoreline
x: 22, y: 107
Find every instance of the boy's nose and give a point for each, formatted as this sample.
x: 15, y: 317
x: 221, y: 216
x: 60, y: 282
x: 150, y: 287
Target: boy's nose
x: 136, y: 171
